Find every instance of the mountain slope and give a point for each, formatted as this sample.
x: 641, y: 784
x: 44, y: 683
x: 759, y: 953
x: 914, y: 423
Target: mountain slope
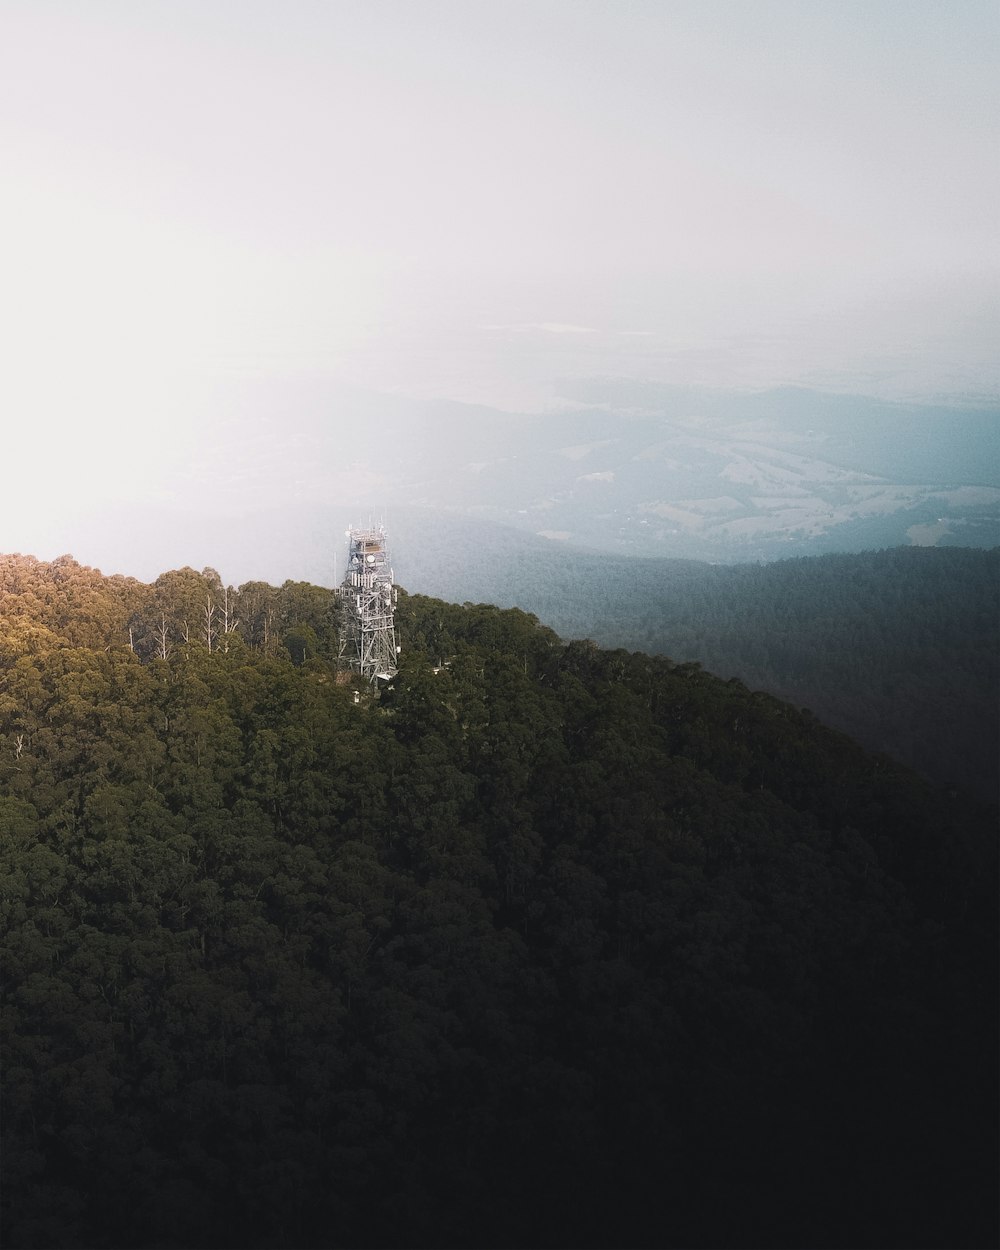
x: 900, y: 648
x: 550, y: 946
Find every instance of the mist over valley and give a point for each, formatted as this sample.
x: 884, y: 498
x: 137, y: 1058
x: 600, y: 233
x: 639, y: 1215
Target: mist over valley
x: 622, y: 467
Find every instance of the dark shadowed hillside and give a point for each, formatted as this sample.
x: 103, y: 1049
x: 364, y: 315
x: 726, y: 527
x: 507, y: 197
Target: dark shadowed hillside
x: 547, y: 946
x: 899, y: 648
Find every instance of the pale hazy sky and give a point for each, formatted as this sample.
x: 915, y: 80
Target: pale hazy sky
x: 469, y: 198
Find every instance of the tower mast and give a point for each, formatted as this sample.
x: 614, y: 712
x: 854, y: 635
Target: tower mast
x: 367, y: 599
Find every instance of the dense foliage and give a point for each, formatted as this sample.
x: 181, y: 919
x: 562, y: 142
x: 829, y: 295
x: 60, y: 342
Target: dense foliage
x: 547, y: 946
x: 898, y: 648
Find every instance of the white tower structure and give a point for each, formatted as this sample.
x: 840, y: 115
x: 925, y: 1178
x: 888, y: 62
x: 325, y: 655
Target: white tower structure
x: 367, y: 599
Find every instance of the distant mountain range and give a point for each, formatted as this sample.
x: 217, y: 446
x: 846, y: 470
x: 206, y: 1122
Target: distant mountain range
x: 631, y: 468
x: 722, y: 477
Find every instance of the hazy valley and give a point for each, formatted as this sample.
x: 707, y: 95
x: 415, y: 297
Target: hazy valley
x: 635, y: 469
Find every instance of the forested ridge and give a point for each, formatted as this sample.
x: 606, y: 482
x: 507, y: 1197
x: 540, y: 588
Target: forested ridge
x: 899, y: 648
x: 547, y: 946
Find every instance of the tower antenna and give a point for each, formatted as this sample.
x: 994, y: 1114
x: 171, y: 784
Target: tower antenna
x: 366, y: 604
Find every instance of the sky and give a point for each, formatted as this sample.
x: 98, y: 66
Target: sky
x: 473, y: 200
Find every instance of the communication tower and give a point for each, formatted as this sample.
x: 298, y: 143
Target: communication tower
x: 367, y: 599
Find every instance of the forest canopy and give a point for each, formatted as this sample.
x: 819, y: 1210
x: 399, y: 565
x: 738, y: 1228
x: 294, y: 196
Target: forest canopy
x: 545, y: 945
x: 899, y: 648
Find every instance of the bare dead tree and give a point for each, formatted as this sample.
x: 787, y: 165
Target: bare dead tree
x: 163, y: 638
x: 229, y: 620
x: 268, y: 618
x: 209, y: 628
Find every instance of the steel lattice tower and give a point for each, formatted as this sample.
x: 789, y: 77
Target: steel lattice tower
x: 366, y: 602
